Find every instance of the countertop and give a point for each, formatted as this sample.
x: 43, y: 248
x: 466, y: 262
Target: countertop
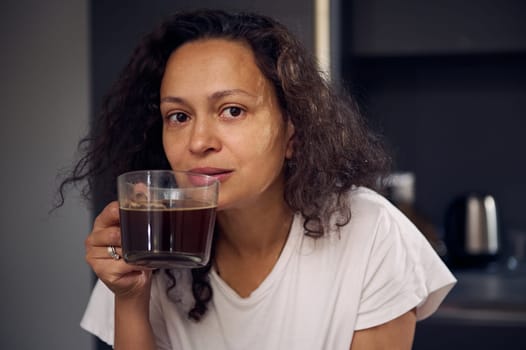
x: 493, y: 296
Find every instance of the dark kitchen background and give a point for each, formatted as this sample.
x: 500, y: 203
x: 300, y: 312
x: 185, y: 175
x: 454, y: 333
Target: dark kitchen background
x: 446, y: 83
x: 443, y: 80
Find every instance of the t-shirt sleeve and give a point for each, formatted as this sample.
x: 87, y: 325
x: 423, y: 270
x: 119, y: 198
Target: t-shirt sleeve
x: 403, y: 272
x: 98, y: 318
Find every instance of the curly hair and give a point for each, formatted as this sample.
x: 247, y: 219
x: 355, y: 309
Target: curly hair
x: 333, y: 147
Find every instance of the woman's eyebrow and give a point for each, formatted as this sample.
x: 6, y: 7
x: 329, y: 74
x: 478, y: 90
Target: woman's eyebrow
x: 173, y: 99
x: 223, y: 93
x: 214, y: 96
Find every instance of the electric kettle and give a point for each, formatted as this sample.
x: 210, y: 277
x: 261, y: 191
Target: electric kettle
x: 472, y: 234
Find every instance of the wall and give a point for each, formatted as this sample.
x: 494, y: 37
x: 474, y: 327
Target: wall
x: 408, y: 27
x: 44, y: 92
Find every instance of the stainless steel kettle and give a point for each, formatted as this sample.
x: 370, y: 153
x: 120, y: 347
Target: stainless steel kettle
x: 472, y: 232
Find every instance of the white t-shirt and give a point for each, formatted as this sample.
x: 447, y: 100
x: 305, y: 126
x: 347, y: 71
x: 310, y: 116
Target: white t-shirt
x: 378, y: 267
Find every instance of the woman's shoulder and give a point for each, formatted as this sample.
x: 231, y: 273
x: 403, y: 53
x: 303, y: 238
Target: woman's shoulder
x: 360, y: 195
x: 367, y: 204
x: 373, y: 218
x: 373, y: 214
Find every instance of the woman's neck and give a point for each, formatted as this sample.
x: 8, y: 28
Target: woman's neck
x: 249, y: 244
x: 254, y: 231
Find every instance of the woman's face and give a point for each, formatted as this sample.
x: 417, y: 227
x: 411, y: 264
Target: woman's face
x: 221, y: 117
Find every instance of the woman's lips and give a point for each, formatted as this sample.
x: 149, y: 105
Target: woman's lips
x: 217, y: 173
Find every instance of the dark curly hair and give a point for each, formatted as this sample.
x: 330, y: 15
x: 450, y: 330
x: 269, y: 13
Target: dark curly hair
x: 333, y: 148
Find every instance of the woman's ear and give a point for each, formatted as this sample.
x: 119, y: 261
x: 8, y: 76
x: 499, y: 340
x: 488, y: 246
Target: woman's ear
x: 289, y: 151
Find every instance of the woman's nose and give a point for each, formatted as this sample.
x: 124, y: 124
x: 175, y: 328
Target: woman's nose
x: 203, y: 137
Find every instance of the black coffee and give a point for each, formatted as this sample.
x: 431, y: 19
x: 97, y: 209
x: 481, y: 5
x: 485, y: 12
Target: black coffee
x: 165, y: 237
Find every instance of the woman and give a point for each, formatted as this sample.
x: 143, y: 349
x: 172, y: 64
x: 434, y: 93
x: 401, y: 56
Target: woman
x: 306, y: 256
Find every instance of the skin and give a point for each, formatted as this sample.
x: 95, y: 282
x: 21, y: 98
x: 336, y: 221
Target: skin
x: 221, y: 117
x: 396, y: 334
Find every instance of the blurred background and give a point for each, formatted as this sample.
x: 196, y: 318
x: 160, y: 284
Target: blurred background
x: 443, y: 81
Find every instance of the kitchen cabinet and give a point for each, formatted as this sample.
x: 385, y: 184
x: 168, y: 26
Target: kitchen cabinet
x: 411, y: 27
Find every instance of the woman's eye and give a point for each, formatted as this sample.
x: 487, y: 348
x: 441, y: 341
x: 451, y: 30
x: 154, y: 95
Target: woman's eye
x: 178, y: 117
x: 232, y: 112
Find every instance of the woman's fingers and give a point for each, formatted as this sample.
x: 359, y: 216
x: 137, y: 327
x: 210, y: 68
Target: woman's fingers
x: 120, y: 277
x: 116, y: 268
x: 104, y: 237
x: 102, y: 244
x: 108, y: 217
x: 103, y: 252
x: 106, y: 233
x: 106, y: 229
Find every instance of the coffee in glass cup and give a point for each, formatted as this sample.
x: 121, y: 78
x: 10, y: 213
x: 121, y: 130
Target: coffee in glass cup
x: 167, y: 217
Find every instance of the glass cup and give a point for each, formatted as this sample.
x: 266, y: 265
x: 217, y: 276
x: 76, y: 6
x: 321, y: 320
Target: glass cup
x: 167, y: 217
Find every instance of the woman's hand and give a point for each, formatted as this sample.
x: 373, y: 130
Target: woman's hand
x: 130, y: 284
x: 123, y: 279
